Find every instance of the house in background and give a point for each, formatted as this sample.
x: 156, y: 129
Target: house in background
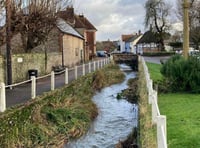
x: 84, y: 27
x: 128, y: 42
x: 148, y: 43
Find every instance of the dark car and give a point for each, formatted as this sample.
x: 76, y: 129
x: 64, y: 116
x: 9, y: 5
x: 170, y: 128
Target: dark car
x: 101, y: 53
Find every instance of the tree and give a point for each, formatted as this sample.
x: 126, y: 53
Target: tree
x: 34, y: 21
x: 157, y: 12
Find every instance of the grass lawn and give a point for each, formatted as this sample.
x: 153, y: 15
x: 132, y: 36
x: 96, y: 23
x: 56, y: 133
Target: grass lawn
x: 183, y: 119
x: 154, y: 70
x: 183, y: 114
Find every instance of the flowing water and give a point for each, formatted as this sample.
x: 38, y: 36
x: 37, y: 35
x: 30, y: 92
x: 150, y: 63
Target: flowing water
x: 116, y: 118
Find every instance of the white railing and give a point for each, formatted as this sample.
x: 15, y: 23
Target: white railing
x: 33, y: 79
x: 157, y: 118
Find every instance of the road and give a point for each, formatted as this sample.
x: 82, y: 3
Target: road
x: 155, y: 59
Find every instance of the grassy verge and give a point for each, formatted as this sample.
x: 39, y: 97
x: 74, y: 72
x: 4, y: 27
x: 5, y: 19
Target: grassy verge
x: 183, y: 119
x: 57, y: 117
x: 183, y: 115
x: 147, y: 130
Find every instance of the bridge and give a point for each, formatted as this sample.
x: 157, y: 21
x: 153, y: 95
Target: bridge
x: 127, y: 58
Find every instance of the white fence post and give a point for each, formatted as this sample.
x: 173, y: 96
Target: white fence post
x: 33, y: 87
x: 98, y: 64
x: 150, y: 91
x: 94, y: 64
x: 161, y: 132
x: 76, y: 72
x: 3, y: 97
x: 154, y: 107
x: 66, y: 76
x: 89, y: 67
x: 83, y: 69
x: 52, y: 80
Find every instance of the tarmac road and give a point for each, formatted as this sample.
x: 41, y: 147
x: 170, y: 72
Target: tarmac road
x: 157, y: 59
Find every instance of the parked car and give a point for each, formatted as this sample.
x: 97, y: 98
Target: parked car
x: 101, y: 53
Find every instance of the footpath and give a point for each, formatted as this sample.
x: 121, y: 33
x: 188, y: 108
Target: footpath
x: 22, y: 93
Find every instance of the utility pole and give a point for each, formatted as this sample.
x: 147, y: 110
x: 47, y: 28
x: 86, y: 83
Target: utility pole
x: 8, y: 42
x: 186, y: 6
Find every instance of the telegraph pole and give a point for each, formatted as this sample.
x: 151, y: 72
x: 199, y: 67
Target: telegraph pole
x: 8, y: 42
x: 186, y: 6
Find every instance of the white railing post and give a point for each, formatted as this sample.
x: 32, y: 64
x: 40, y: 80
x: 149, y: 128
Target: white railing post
x: 76, y: 72
x: 33, y: 87
x: 2, y: 97
x: 83, y: 69
x: 150, y: 91
x: 154, y: 107
x: 94, y: 65
x: 98, y: 64
x: 52, y: 80
x: 66, y: 76
x: 161, y: 132
x: 89, y: 67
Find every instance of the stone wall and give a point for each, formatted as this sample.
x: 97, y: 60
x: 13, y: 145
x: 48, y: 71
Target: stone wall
x: 1, y: 69
x: 21, y: 63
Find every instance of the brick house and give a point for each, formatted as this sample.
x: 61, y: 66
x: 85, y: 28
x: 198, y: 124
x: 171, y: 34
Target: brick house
x: 84, y: 27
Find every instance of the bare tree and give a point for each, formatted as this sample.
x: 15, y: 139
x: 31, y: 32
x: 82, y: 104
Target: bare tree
x: 34, y: 21
x: 157, y: 12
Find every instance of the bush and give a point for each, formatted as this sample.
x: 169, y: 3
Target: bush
x: 181, y: 74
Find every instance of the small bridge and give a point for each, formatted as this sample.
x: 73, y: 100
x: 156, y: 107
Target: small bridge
x: 127, y: 58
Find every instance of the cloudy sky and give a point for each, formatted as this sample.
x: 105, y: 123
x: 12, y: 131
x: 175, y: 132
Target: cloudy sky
x: 114, y: 17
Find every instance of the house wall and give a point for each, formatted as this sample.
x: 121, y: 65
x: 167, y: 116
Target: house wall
x: 1, y: 69
x: 73, y: 50
x: 91, y: 43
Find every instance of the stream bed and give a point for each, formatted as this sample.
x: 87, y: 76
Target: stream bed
x: 116, y: 118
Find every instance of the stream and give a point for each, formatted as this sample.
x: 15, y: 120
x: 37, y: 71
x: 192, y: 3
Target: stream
x: 116, y: 118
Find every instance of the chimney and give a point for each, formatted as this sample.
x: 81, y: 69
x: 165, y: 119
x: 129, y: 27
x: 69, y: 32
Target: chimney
x: 70, y: 11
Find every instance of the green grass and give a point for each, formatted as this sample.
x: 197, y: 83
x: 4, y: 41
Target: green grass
x: 183, y: 114
x: 154, y: 70
x: 183, y: 119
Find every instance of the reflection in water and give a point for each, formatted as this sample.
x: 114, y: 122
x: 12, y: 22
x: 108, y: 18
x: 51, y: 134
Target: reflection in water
x: 115, y: 121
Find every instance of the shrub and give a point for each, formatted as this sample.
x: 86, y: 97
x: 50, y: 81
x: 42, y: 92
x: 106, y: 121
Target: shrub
x: 181, y: 74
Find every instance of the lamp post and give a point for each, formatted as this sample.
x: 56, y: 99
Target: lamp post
x: 8, y: 42
x: 186, y: 6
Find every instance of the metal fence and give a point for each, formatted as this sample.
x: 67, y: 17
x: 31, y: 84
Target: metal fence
x: 157, y: 118
x: 69, y: 75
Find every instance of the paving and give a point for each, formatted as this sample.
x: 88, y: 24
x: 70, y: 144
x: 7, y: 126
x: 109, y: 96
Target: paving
x: 22, y: 93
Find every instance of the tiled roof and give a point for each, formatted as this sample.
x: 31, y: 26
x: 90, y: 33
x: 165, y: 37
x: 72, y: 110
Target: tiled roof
x: 66, y: 28
x: 126, y: 37
x: 77, y: 21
